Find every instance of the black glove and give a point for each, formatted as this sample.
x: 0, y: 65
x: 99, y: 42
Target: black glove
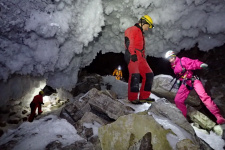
x: 133, y: 57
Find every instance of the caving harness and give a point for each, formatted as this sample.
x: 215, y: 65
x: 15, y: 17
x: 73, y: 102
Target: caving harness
x: 185, y: 79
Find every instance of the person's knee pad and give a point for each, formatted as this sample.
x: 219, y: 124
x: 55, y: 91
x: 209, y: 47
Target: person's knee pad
x: 149, y: 81
x: 134, y: 85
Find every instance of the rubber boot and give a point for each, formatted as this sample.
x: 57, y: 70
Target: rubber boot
x: 39, y: 113
x: 220, y: 119
x: 31, y: 117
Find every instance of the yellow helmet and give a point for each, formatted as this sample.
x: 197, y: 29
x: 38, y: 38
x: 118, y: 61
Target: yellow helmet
x: 41, y: 93
x: 148, y: 20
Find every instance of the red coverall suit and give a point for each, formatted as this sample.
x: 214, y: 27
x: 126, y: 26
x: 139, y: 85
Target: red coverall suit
x: 37, y: 101
x: 135, y: 44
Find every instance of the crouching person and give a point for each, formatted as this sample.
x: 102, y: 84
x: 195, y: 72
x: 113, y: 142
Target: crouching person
x: 36, y: 103
x: 183, y: 68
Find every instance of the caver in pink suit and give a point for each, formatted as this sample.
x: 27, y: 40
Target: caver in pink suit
x: 183, y: 91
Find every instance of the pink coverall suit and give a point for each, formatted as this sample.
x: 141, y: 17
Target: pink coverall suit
x: 187, y: 78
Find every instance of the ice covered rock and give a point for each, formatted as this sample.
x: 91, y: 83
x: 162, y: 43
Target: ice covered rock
x: 128, y: 130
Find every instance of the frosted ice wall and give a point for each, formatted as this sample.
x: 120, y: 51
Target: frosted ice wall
x: 54, y: 39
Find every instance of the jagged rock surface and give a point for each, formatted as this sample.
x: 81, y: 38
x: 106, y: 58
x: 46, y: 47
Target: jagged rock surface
x: 161, y: 87
x: 128, y: 130
x: 120, y: 127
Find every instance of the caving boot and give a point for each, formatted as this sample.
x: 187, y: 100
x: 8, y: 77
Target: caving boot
x: 220, y: 119
x: 136, y: 102
x: 147, y: 100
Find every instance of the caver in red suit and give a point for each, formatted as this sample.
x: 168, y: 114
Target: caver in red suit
x: 137, y: 64
x: 36, y: 103
x: 183, y: 68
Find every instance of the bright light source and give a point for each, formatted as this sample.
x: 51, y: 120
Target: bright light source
x: 27, y: 99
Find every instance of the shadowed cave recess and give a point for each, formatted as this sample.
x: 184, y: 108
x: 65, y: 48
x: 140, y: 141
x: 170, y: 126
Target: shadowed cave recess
x: 104, y: 64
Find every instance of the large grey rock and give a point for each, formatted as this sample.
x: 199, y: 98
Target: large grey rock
x: 218, y: 129
x: 161, y: 87
x: 186, y: 144
x: 74, y: 112
x: 127, y: 130
x: 118, y: 123
x: 223, y: 135
x: 94, y: 107
x: 88, y: 118
x: 168, y: 110
x: 143, y: 144
x: 112, y: 84
x: 78, y: 145
x: 86, y: 83
x: 55, y: 145
x: 200, y: 118
x: 105, y: 104
x: 110, y: 93
x: 97, y: 102
x: 165, y: 109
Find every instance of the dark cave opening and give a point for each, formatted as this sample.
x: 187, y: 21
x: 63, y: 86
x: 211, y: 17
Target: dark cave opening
x: 104, y: 64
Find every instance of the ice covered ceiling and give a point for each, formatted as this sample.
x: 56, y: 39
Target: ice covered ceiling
x: 54, y: 39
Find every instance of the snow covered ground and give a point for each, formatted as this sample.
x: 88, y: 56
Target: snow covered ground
x: 39, y: 133
x: 51, y: 128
